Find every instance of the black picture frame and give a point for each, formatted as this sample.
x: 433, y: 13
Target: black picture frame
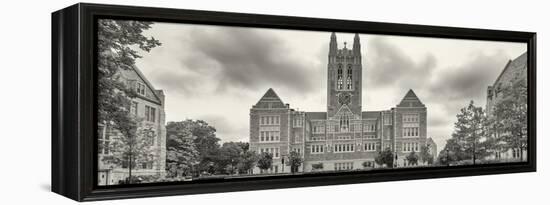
x: 73, y: 101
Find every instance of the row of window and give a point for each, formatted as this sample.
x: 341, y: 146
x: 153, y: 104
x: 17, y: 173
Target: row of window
x: 371, y: 146
x: 344, y: 148
x: 273, y: 151
x: 317, y: 148
x: 410, y: 146
x: 269, y: 136
x: 410, y: 117
x: 344, y: 127
x: 269, y: 120
x: 410, y: 132
x: 340, y: 78
x: 343, y: 166
x: 150, y: 112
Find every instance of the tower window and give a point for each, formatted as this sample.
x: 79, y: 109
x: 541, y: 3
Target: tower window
x: 340, y: 78
x: 349, y: 78
x: 344, y: 123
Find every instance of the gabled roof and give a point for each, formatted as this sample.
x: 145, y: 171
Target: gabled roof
x: 410, y: 100
x: 270, y: 100
x: 515, y: 65
x: 149, y: 85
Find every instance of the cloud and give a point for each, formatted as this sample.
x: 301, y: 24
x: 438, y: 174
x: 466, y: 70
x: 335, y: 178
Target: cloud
x: 468, y: 81
x: 387, y: 65
x: 237, y: 58
x: 226, y: 129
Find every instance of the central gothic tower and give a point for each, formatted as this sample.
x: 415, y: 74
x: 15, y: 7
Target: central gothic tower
x: 344, y: 80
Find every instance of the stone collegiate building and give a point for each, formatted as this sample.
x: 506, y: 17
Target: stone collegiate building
x: 148, y: 106
x: 344, y: 137
x: 513, y: 71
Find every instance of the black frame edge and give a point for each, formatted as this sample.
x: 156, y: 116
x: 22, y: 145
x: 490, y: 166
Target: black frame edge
x: 65, y: 170
x: 72, y: 174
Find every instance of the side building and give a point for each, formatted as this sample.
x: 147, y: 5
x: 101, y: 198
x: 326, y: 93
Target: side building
x: 148, y: 107
x: 514, y: 70
x: 344, y: 137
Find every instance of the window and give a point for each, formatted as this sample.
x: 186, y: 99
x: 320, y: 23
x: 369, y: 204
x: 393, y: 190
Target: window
x: 344, y: 148
x: 410, y: 146
x: 297, y: 150
x: 151, y: 137
x: 369, y: 127
x: 349, y: 78
x: 370, y: 146
x: 104, y: 139
x: 340, y: 80
x: 269, y: 136
x: 150, y: 113
x: 387, y: 120
x: 343, y: 166
x: 344, y: 137
x: 317, y: 149
x: 370, y: 136
x: 410, y: 118
x: 344, y: 123
x: 318, y: 129
x: 298, y: 121
x: 269, y: 120
x: 274, y: 151
x: 134, y: 108
x: 140, y: 89
x: 410, y: 132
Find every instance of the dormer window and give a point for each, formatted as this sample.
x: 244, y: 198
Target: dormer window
x: 140, y: 89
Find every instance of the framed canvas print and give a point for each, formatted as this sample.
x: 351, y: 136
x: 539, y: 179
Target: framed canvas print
x: 156, y: 102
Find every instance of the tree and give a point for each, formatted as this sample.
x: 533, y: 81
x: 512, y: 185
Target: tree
x: 181, y: 153
x: 129, y: 152
x: 510, y: 115
x: 116, y: 42
x: 294, y: 161
x: 425, y: 155
x: 247, y: 161
x: 385, y: 158
x: 206, y: 144
x: 469, y: 138
x: 265, y: 161
x: 412, y: 158
x: 230, y: 156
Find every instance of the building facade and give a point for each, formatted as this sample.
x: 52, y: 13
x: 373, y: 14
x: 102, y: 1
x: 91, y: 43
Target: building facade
x: 344, y: 137
x: 148, y: 108
x: 514, y: 71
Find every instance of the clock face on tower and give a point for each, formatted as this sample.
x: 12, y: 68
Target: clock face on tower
x: 344, y: 98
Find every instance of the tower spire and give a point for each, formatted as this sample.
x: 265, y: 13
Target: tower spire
x: 333, y: 46
x: 356, y: 45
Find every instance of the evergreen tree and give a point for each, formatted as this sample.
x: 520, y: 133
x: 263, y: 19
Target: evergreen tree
x: 469, y: 139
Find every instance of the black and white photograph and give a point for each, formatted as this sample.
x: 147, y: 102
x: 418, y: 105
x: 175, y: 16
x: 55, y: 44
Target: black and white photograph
x: 181, y: 102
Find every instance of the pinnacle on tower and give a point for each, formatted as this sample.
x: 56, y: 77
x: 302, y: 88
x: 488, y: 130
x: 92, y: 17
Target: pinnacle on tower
x: 356, y: 45
x: 333, y: 46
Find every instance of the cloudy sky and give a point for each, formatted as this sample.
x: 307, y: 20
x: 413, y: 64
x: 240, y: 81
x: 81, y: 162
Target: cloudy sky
x: 217, y: 73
